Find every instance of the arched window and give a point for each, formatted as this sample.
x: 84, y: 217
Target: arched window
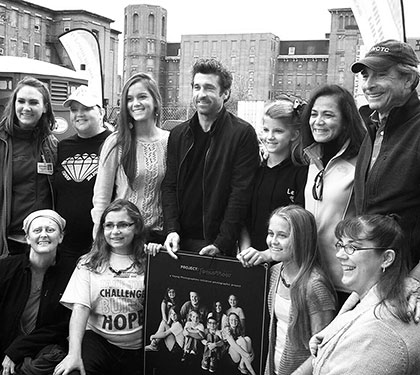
x: 341, y: 22
x: 135, y: 23
x: 163, y: 26
x: 151, y: 24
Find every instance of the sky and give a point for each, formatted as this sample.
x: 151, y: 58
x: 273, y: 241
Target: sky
x: 289, y: 20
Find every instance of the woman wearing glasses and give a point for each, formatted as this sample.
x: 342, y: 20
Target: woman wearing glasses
x: 133, y: 159
x: 332, y: 132
x: 372, y: 334
x: 106, y: 296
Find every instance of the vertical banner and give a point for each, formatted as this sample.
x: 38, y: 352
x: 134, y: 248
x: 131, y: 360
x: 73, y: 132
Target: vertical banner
x: 379, y: 20
x: 199, y: 310
x: 84, y: 52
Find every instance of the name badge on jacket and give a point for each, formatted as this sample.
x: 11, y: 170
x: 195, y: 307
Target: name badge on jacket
x: 45, y: 168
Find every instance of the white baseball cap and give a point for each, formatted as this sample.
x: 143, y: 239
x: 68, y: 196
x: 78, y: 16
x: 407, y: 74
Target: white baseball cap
x: 84, y: 96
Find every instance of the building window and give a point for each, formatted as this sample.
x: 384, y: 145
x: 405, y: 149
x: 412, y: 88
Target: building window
x: 37, y: 25
x: 13, y: 47
x: 37, y: 52
x: 151, y: 47
x: 291, y: 50
x: 341, y: 22
x: 151, y: 24
x: 48, y: 54
x: 13, y: 18
x: 196, y: 45
x: 135, y: 23
x: 26, y: 20
x: 25, y: 49
x: 214, y: 48
x: 163, y: 26
x: 417, y: 45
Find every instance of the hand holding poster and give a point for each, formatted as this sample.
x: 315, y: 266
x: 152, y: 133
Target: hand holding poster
x: 203, y: 315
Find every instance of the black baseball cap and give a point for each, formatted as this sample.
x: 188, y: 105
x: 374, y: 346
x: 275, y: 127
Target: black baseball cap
x: 385, y: 54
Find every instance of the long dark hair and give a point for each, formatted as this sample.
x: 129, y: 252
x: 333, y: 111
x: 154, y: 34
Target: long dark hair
x: 47, y: 121
x: 385, y: 232
x: 98, y: 258
x: 126, y: 135
x: 303, y: 237
x: 353, y: 127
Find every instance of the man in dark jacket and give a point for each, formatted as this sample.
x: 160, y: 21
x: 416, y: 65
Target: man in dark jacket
x: 387, y: 177
x: 211, y: 162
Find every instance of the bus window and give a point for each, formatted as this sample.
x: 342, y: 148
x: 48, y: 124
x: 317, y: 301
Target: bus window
x: 6, y: 84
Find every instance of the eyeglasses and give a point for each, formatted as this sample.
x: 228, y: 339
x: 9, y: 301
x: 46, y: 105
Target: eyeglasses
x: 318, y: 186
x: 349, y: 249
x: 122, y: 225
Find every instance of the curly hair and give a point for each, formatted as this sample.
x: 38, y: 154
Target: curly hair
x: 212, y: 66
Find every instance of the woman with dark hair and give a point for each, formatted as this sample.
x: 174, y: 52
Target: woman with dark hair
x: 133, y: 159
x: 28, y: 153
x: 217, y: 313
x: 106, y: 295
x: 332, y: 133
x: 169, y: 300
x: 372, y: 333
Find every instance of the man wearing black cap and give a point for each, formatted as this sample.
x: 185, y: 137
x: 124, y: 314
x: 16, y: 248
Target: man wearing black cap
x: 387, y: 177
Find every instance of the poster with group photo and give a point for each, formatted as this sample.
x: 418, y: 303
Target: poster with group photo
x: 205, y: 315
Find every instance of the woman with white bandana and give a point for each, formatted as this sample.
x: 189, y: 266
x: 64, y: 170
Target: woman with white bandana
x: 33, y: 323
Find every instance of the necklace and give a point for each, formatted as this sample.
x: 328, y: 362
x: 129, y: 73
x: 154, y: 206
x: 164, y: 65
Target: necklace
x: 119, y: 272
x: 283, y: 280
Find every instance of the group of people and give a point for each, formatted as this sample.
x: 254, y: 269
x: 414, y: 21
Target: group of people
x: 333, y: 207
x: 193, y: 332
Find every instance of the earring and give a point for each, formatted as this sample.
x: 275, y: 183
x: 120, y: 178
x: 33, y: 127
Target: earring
x: 383, y: 269
x: 130, y: 125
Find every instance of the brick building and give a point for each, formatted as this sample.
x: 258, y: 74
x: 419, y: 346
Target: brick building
x: 30, y: 30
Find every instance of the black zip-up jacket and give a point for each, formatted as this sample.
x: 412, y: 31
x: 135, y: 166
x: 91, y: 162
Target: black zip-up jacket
x: 393, y: 183
x: 230, y: 164
x: 53, y: 318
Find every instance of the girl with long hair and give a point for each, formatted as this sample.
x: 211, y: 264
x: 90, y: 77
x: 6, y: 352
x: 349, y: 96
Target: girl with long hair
x: 106, y: 295
x: 133, y: 159
x: 301, y: 297
x: 239, y: 346
x: 170, y: 331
